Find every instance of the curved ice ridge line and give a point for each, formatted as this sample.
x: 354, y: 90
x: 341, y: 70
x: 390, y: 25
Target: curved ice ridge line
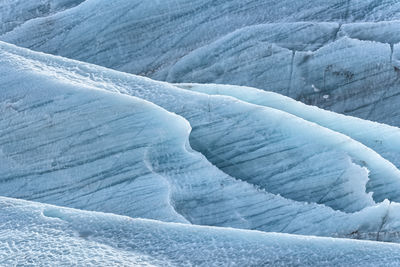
x: 90, y: 76
x: 123, y: 84
x: 383, y: 138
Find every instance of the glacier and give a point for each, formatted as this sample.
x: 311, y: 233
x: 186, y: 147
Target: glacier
x: 264, y: 140
x: 382, y: 138
x: 205, y: 133
x: 121, y: 149
x: 338, y: 55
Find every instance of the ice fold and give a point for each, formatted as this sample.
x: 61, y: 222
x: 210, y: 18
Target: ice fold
x: 335, y: 54
x: 382, y: 138
x: 135, y: 153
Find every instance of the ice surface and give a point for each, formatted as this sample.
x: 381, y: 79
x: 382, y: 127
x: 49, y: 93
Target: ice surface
x: 356, y: 77
x: 73, y: 145
x: 261, y: 150
x: 38, y: 234
x: 261, y: 56
x: 335, y: 54
x: 383, y: 32
x: 382, y: 138
x: 83, y: 136
x: 14, y: 13
x: 121, y: 149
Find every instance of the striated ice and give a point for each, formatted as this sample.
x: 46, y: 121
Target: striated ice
x: 14, y: 13
x: 125, y: 150
x: 382, y: 138
x: 261, y: 150
x: 173, y: 162
x: 346, y: 49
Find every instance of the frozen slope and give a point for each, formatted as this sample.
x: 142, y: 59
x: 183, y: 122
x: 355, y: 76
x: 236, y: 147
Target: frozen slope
x: 269, y: 148
x: 344, y: 74
x: 74, y: 145
x: 14, y: 13
x: 128, y: 156
x: 382, y: 138
x: 37, y: 234
x: 339, y: 55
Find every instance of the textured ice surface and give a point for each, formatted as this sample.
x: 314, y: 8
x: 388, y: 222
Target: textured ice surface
x: 73, y: 145
x: 38, y: 234
x: 121, y: 149
x: 339, y: 55
x: 78, y: 135
x: 382, y: 138
x: 251, y: 143
x: 356, y: 77
x: 16, y: 12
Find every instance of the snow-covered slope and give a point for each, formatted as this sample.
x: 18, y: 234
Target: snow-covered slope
x: 38, y: 234
x: 320, y: 52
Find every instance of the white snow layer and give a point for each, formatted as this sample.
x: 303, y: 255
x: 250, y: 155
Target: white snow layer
x: 126, y: 155
x: 42, y: 235
x: 339, y: 55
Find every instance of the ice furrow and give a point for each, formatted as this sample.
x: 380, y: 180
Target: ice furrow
x: 380, y: 137
x: 181, y: 184
x: 256, y: 51
x: 264, y: 125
